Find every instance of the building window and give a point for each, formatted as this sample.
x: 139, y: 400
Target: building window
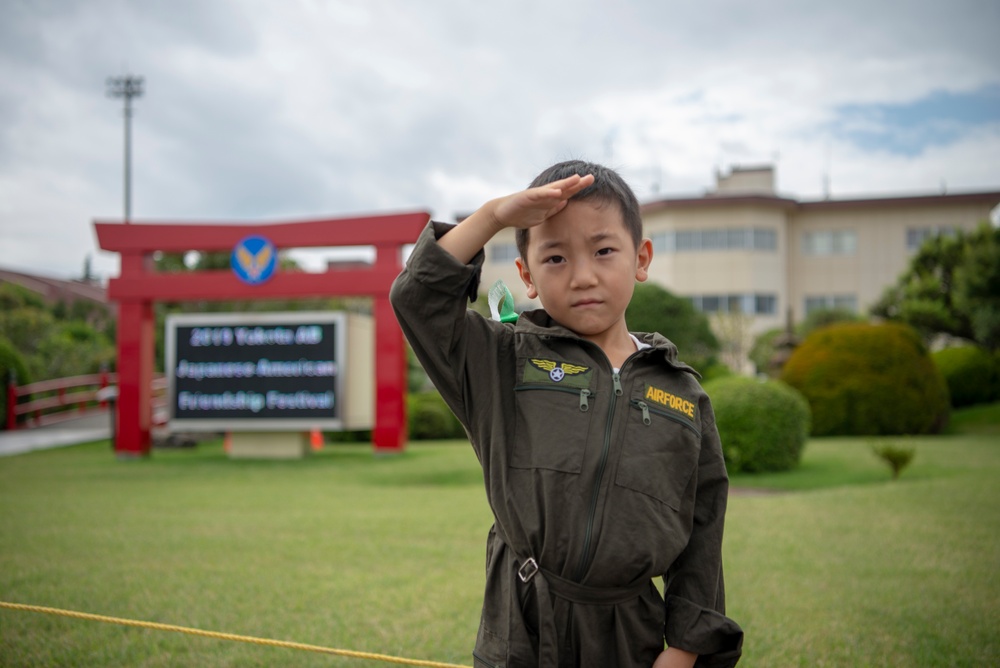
x: 830, y: 242
x: 663, y: 242
x: 688, y: 240
x: 736, y: 238
x: 710, y: 303
x: 826, y: 302
x: 916, y: 236
x: 715, y: 239
x: 765, y: 239
x: 765, y: 304
x: 503, y: 252
x: 750, y: 304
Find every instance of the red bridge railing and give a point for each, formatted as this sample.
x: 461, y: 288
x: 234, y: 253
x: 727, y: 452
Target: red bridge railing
x: 50, y: 401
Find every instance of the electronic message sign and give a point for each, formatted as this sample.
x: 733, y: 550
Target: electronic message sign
x: 250, y: 372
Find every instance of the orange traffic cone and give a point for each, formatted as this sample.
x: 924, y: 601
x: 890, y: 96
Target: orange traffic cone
x: 316, y: 439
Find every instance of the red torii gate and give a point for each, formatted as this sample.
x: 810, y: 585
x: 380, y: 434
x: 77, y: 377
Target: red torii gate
x: 139, y: 286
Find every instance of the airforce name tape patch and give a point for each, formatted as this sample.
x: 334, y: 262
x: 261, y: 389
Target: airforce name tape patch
x: 668, y: 400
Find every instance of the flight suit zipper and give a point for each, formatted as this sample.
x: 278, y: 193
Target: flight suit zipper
x: 589, y: 535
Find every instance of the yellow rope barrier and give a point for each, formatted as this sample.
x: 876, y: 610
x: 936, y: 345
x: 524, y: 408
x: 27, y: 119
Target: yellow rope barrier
x: 228, y: 636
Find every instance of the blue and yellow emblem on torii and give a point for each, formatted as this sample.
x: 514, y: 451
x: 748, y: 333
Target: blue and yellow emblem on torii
x: 254, y: 260
x: 557, y: 372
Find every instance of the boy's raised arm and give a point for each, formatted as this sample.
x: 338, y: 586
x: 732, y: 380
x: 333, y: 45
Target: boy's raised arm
x: 526, y: 208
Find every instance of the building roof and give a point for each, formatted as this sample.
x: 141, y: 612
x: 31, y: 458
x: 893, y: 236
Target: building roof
x: 55, y: 289
x: 710, y: 200
x: 943, y: 199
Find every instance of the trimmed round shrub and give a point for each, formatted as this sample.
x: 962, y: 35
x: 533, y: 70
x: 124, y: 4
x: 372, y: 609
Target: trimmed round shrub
x: 868, y: 379
x: 763, y: 424
x: 429, y: 417
x: 715, y: 371
x: 972, y: 374
x: 10, y: 361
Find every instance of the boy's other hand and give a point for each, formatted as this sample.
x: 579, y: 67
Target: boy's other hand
x: 534, y: 206
x: 675, y: 658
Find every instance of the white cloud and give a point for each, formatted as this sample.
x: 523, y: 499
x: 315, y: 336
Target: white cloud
x: 265, y: 111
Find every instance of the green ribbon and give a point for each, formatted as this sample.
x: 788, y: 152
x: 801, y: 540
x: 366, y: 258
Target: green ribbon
x: 502, y: 303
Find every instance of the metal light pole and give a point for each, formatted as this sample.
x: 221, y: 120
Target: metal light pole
x: 127, y: 87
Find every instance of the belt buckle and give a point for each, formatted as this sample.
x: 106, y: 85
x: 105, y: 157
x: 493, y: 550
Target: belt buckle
x: 527, y: 570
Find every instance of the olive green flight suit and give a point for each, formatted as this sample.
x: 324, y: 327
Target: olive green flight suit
x: 599, y: 481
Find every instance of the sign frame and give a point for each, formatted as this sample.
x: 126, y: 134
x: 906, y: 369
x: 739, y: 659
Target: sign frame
x: 222, y: 320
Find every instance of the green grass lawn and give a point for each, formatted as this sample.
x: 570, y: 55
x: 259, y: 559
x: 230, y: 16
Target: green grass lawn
x: 833, y: 564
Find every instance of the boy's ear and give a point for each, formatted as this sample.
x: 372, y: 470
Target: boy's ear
x: 643, y: 257
x: 522, y: 271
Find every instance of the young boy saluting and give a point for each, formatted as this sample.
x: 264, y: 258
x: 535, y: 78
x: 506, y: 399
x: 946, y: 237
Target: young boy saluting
x: 601, y: 459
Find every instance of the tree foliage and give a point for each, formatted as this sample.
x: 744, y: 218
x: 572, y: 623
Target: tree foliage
x: 763, y: 349
x: 53, y: 340
x: 977, y: 286
x: 654, y: 309
x: 972, y: 374
x: 952, y: 287
x: 12, y: 367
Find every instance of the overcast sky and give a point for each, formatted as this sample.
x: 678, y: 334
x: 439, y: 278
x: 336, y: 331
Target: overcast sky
x: 268, y: 111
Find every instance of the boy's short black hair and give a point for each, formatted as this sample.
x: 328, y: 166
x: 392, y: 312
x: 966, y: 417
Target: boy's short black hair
x: 608, y: 188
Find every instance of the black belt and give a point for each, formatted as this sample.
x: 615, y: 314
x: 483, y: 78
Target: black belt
x: 546, y: 582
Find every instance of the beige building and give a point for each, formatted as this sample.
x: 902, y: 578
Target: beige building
x: 745, y: 255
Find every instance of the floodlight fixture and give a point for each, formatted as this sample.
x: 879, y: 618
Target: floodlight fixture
x: 126, y: 87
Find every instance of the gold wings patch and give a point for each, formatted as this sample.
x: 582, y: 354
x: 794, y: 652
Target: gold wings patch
x: 559, y: 369
x: 537, y: 370
x: 567, y: 368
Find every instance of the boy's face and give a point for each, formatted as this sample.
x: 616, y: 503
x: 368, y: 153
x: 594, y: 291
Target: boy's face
x: 582, y: 265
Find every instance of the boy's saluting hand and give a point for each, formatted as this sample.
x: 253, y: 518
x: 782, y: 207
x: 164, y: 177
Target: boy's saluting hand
x: 523, y: 209
x: 534, y: 206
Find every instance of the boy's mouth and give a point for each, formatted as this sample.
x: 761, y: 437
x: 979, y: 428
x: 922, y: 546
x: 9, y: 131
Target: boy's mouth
x: 586, y: 302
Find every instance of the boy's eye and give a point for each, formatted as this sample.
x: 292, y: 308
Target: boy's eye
x: 606, y: 251
x: 554, y: 259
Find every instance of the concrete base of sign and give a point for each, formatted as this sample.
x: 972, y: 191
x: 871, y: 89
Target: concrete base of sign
x: 268, y: 445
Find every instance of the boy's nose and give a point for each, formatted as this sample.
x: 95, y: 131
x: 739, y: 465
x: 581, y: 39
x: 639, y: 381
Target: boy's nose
x: 583, y: 276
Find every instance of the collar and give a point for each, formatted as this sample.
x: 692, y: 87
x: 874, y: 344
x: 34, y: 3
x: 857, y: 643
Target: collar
x: 538, y: 322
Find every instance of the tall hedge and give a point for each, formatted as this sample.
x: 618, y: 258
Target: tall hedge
x: 429, y: 417
x: 869, y: 379
x: 972, y: 374
x: 763, y: 424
